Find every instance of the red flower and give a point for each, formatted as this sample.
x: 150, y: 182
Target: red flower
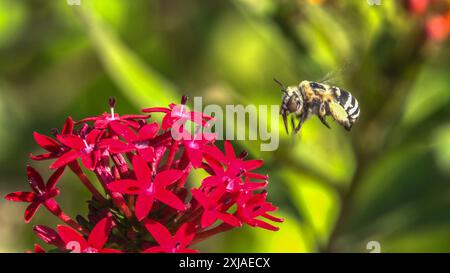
x: 42, y: 194
x: 418, y: 6
x: 84, y: 148
x: 95, y: 242
x: 178, y: 113
x: 195, y: 146
x: 252, y: 206
x: 49, y: 236
x: 139, y: 141
x: 108, y: 119
x: 232, y: 179
x: 149, y: 189
x: 212, y: 208
x: 438, y: 27
x: 236, y: 163
x: 168, y: 243
x: 88, y: 148
x: 52, y: 146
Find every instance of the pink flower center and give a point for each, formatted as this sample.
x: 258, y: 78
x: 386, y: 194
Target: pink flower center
x: 151, y: 188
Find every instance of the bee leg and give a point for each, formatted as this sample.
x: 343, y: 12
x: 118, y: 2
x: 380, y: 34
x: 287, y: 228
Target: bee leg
x: 285, y: 123
x: 293, y: 124
x: 300, y: 123
x: 324, y: 121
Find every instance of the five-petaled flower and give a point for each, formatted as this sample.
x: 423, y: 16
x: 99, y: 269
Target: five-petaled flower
x: 149, y: 189
x: 42, y: 194
x: 168, y: 243
x: 97, y: 238
x: 54, y: 148
x: 212, y: 208
x: 178, y: 113
x: 140, y: 140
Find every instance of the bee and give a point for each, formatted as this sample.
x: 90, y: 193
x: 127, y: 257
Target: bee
x: 313, y: 98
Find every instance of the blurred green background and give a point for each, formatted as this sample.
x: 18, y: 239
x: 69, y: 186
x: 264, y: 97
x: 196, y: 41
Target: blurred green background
x: 388, y: 180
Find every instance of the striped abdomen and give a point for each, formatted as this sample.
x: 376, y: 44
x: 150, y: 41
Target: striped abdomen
x: 348, y: 102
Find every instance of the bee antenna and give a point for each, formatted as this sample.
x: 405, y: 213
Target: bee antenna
x: 283, y: 88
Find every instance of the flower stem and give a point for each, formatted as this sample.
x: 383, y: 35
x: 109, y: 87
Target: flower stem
x: 55, y: 209
x: 211, y: 232
x: 173, y: 151
x: 75, y: 167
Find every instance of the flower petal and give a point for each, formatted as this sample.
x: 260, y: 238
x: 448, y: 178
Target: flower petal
x: 154, y: 249
x: 20, y: 196
x: 116, y: 146
x: 252, y: 164
x: 148, y: 154
x: 124, y: 131
x: 262, y: 224
x: 31, y: 211
x: 110, y: 250
x: 54, y: 178
x: 143, y: 206
x: 43, y: 156
x: 208, y: 218
x: 46, y: 142
x: 99, y: 234
x: 66, y: 159
x: 168, y: 177
x: 38, y: 249
x: 195, y: 154
x: 184, y: 236
x: 35, y: 180
x: 68, y: 126
x: 149, y: 131
x: 211, y: 181
x: 125, y: 186
x: 72, y: 141
x: 93, y: 136
x: 229, y: 219
x: 167, y: 122
x: 90, y: 160
x: 160, y: 233
x: 169, y: 198
x: 141, y: 169
x: 200, y: 197
x: 48, y: 235
x: 156, y: 109
x: 70, y: 236
x: 229, y: 151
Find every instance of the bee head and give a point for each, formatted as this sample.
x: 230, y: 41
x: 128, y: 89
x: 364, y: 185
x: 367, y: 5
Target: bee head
x: 295, y: 103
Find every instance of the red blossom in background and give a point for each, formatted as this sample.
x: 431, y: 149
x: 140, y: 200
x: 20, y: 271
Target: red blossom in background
x: 145, y: 205
x: 437, y: 17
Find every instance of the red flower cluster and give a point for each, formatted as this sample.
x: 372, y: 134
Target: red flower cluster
x: 146, y: 205
x: 437, y: 22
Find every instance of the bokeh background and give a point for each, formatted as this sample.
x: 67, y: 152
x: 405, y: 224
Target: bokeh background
x: 388, y: 180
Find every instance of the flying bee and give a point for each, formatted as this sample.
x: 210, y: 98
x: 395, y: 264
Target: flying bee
x: 313, y: 98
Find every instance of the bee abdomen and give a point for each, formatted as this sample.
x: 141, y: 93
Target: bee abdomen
x: 348, y: 102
